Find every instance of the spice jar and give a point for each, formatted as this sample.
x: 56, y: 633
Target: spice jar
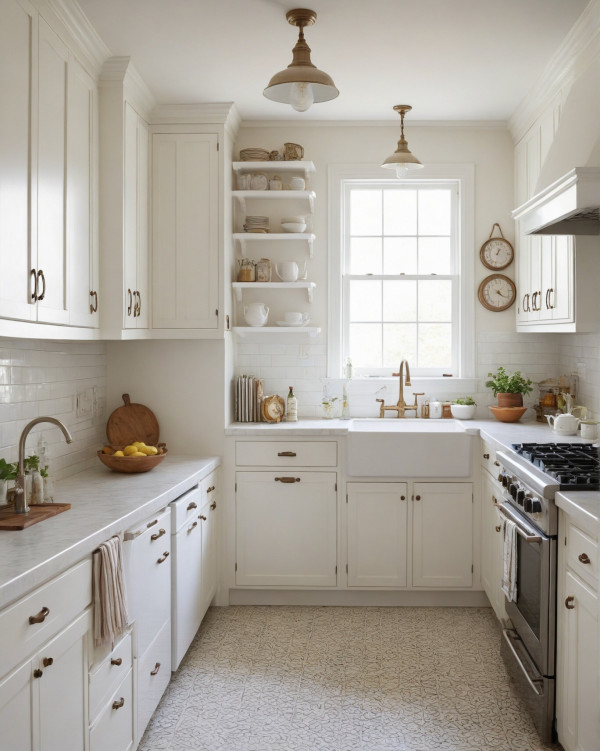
x: 263, y: 270
x: 247, y: 270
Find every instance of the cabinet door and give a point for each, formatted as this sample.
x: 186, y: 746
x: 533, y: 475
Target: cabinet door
x: 561, y: 292
x: 578, y: 716
x: 16, y: 717
x: 491, y: 545
x: 186, y: 580
x: 81, y: 196
x: 443, y: 534
x: 286, y: 531
x: 61, y: 691
x: 18, y: 28
x: 185, y: 231
x: 51, y: 173
x: 209, y: 552
x: 377, y: 534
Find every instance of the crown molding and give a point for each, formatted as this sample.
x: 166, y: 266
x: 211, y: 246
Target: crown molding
x: 215, y: 113
x: 481, y: 124
x: 579, y: 48
x: 119, y: 72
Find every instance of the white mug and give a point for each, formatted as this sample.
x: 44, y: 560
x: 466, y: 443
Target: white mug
x: 288, y: 271
x: 589, y: 430
x: 297, y: 183
x: 294, y: 317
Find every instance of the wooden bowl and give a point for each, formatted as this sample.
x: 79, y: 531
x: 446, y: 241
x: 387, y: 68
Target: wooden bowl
x: 131, y: 464
x: 508, y: 414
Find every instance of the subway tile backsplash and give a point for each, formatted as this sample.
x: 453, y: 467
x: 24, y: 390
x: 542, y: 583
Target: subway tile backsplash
x: 66, y: 380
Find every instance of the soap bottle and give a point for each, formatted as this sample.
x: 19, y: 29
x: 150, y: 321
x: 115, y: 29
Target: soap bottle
x: 292, y: 407
x: 435, y: 408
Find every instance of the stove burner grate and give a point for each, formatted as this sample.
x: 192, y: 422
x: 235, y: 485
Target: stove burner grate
x: 572, y: 465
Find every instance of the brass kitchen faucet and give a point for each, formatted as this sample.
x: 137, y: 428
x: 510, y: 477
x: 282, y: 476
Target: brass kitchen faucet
x: 401, y: 407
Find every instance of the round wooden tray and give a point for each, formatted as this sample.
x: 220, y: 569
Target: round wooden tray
x: 130, y: 423
x: 131, y: 464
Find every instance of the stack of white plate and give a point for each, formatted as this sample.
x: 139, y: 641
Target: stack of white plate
x: 256, y: 224
x: 254, y: 155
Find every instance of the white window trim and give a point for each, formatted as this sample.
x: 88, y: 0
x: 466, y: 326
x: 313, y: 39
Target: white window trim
x: 464, y: 174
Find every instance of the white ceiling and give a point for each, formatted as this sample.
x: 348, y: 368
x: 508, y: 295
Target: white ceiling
x: 449, y: 59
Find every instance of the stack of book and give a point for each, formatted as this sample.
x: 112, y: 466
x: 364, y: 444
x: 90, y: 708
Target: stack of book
x: 248, y: 398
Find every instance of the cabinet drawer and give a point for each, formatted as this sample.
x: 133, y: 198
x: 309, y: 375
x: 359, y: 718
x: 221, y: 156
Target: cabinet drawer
x: 108, y: 674
x: 488, y: 458
x: 55, y: 604
x: 286, y: 453
x: 153, y: 676
x: 114, y: 727
x: 582, y: 554
x: 186, y: 508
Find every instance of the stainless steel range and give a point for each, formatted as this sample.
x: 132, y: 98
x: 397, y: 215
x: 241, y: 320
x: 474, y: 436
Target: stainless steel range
x: 530, y: 477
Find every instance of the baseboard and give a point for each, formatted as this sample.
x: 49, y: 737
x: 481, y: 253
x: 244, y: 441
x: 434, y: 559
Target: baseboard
x: 345, y: 598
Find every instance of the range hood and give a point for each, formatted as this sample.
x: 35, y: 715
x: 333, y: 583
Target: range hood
x: 569, y: 206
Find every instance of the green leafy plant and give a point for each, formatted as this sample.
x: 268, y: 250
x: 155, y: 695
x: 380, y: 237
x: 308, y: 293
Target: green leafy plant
x: 44, y: 471
x: 31, y: 463
x: 502, y: 382
x: 467, y: 400
x: 7, y: 471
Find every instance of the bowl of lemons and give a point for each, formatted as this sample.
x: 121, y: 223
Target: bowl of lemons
x: 135, y: 457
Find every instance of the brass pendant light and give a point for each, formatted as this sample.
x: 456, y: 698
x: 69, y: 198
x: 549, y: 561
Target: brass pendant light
x: 301, y: 83
x: 402, y: 160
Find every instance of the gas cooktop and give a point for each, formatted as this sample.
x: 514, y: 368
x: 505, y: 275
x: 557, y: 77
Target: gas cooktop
x: 574, y: 466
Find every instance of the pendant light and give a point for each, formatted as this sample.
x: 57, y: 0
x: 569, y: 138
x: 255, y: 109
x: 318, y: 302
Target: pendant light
x: 402, y: 160
x: 301, y: 83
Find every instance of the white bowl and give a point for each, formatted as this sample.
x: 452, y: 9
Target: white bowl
x: 463, y: 411
x: 293, y: 227
x: 293, y: 219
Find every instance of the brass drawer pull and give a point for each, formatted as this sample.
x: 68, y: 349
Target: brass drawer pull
x: 158, y: 534
x: 166, y: 554
x: 118, y: 704
x: 569, y: 603
x: 496, y: 464
x: 152, y: 523
x: 417, y: 498
x: 584, y: 558
x: 37, y: 673
x: 33, y: 276
x: 498, y: 528
x: 486, y: 456
x: 202, y: 517
x: 40, y: 617
x: 213, y: 505
x: 116, y: 661
x: 130, y: 306
x: 286, y: 453
x: 156, y: 669
x: 192, y: 526
x: 43, y: 278
x: 402, y: 497
x: 47, y: 661
x: 287, y: 479
x: 191, y: 506
x: 93, y: 305
x: 210, y: 490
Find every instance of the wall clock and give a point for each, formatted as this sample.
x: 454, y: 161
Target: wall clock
x: 497, y: 292
x: 496, y: 253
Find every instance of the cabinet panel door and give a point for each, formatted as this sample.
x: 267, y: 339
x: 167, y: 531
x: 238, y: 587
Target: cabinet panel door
x: 51, y: 177
x: 18, y: 26
x: 491, y: 546
x: 443, y: 534
x: 143, y: 155
x: 377, y: 534
x: 209, y: 555
x: 561, y: 298
x: 185, y: 232
x: 286, y: 532
x: 16, y: 717
x: 186, y: 581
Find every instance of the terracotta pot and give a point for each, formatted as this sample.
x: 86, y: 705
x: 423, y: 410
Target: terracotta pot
x: 510, y: 400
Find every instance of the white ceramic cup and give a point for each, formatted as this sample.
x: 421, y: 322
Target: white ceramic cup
x: 293, y: 317
x: 589, y: 430
x: 297, y: 183
x: 287, y: 271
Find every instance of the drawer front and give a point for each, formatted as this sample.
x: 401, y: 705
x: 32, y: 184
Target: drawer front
x: 52, y: 607
x: 582, y: 554
x: 488, y: 458
x: 108, y: 674
x: 210, y: 488
x: 114, y: 728
x: 286, y: 453
x: 186, y: 508
x: 153, y: 676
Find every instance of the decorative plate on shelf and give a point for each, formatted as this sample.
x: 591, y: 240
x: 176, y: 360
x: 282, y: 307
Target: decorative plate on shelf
x: 273, y: 408
x: 293, y: 325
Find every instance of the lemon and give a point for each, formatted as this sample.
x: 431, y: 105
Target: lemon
x: 129, y: 450
x: 138, y: 453
x: 107, y: 450
x: 118, y: 453
x: 149, y: 450
x: 138, y: 444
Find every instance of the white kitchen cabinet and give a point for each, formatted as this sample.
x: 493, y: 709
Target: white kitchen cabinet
x: 16, y: 710
x: 114, y: 727
x: 492, y: 545
x: 377, y: 534
x: 442, y: 534
x: 286, y: 528
x: 185, y: 230
x: 209, y: 516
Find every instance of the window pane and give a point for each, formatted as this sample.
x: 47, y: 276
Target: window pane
x: 365, y: 301
x: 365, y: 255
x: 400, y: 212
x: 365, y: 212
x: 434, y: 212
x: 365, y: 345
x: 400, y: 301
x: 434, y: 255
x: 399, y: 342
x: 435, y: 345
x: 435, y: 300
x: 399, y: 255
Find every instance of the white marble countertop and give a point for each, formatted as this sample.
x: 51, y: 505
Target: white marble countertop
x: 583, y: 507
x: 103, y: 503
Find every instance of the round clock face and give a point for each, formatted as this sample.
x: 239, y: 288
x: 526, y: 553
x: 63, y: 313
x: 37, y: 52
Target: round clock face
x: 496, y: 253
x: 497, y: 292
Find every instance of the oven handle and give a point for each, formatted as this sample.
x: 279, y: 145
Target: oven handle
x: 526, y: 533
x: 534, y: 683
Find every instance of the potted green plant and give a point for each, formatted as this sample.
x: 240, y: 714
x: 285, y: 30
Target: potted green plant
x: 463, y: 408
x: 8, y: 472
x: 509, y: 387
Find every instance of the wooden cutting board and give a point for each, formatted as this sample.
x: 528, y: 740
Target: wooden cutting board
x: 37, y: 513
x: 132, y: 422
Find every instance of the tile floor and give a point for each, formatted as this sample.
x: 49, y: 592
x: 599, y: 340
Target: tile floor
x: 340, y: 679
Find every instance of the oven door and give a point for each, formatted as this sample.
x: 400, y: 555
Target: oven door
x: 534, y: 613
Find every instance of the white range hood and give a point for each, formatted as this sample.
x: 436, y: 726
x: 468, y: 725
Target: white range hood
x: 569, y: 206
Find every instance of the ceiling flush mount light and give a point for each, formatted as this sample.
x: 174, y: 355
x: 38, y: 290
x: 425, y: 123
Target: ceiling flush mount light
x: 402, y: 160
x: 301, y: 83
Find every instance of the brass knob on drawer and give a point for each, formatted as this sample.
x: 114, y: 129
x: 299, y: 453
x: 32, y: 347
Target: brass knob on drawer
x: 158, y: 534
x: 192, y: 506
x: 47, y: 661
x: 287, y: 479
x: 192, y: 527
x: 213, y: 505
x: 584, y: 558
x: 496, y: 464
x: 210, y: 490
x: 118, y: 704
x: 202, y: 517
x: 498, y: 528
x: 156, y: 669
x: 569, y: 603
x: 486, y: 456
x: 40, y: 617
x: 164, y: 558
x: 402, y: 497
x: 37, y: 673
x: 116, y: 661
x: 286, y: 453
x: 417, y: 498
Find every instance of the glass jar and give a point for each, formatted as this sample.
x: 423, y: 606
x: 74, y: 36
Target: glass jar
x: 275, y: 183
x: 263, y: 270
x: 247, y: 270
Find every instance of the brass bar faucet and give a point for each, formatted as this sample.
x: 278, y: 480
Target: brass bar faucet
x: 401, y: 407
x: 20, y: 496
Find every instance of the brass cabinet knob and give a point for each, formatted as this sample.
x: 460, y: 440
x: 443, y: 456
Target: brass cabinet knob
x: 202, y: 517
x: 213, y: 505
x: 158, y: 534
x: 118, y: 704
x: 584, y: 558
x: 166, y: 554
x: 116, y: 661
x: 47, y: 661
x: 191, y: 506
x: 486, y: 456
x: 498, y: 528
x: 156, y: 669
x: 40, y: 617
x: 43, y: 279
x: 192, y: 527
x: 417, y: 498
x: 210, y: 490
x: 569, y: 603
x: 37, y: 673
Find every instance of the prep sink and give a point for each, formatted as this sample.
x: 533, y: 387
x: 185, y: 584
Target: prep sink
x: 408, y: 448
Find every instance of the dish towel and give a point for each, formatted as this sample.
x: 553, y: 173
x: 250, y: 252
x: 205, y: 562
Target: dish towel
x: 509, y: 559
x: 110, y: 598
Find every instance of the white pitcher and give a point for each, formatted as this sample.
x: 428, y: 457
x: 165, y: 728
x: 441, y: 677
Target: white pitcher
x: 256, y: 314
x: 289, y: 271
x: 564, y: 424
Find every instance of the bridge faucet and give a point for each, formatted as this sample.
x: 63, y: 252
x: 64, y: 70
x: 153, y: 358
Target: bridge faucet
x: 401, y: 407
x: 21, y: 505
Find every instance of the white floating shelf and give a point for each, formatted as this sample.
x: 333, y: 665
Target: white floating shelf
x: 244, y: 237
x: 285, y: 195
x: 239, y: 286
x: 293, y: 166
x: 243, y: 331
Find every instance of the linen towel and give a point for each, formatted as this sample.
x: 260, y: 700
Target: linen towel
x: 110, y: 598
x: 509, y: 560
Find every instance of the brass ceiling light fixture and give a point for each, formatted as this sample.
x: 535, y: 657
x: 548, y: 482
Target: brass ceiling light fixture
x: 301, y: 83
x: 402, y: 160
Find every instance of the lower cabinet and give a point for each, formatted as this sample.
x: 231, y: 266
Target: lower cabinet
x: 492, y: 545
x: 286, y: 523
